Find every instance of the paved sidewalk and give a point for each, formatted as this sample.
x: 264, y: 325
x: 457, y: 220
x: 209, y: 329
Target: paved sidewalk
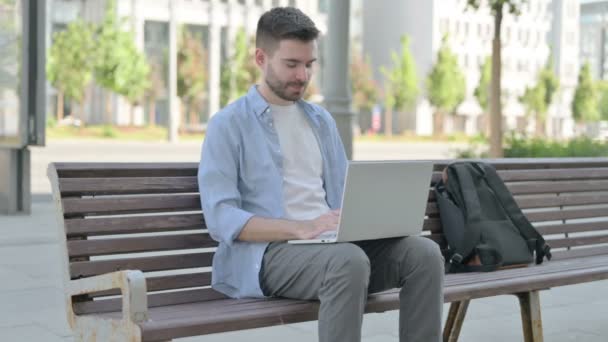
x: 31, y: 295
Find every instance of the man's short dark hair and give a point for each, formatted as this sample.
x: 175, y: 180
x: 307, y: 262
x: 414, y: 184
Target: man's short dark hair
x: 284, y: 23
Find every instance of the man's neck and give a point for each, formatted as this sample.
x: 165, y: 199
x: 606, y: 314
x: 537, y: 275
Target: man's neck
x: 271, y: 97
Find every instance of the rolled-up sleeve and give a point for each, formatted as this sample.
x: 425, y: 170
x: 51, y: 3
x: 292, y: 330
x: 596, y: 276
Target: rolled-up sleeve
x: 218, y: 182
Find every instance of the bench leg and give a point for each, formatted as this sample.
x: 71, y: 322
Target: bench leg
x: 453, y: 324
x: 529, y: 302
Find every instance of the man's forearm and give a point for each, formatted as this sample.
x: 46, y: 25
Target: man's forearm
x: 264, y: 229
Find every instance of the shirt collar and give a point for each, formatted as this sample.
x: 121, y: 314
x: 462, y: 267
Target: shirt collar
x: 260, y: 105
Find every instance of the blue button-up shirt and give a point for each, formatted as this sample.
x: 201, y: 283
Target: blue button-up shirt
x: 241, y: 176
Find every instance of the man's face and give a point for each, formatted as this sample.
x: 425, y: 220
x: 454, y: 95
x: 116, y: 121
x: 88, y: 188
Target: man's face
x: 287, y: 70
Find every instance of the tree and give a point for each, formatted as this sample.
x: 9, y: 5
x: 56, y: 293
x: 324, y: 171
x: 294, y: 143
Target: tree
x: 192, y: 74
x: 446, y: 85
x: 584, y: 103
x: 135, y: 82
x: 119, y: 65
x: 602, y: 88
x: 69, y: 64
x: 549, y: 81
x: 156, y: 88
x: 402, y: 83
x: 497, y: 8
x: 533, y: 100
x: 364, y: 89
x: 240, y: 71
x: 538, y: 99
x: 482, y: 92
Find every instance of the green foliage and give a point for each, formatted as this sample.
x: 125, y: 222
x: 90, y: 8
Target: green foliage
x: 51, y: 121
x: 108, y: 131
x: 446, y: 84
x: 120, y: 66
x: 533, y: 100
x: 240, y: 71
x: 69, y: 62
x: 602, y: 88
x: 363, y: 87
x: 584, y: 104
x: 402, y: 82
x: 513, y: 6
x: 482, y: 92
x: 520, y: 147
x: 192, y: 73
x: 549, y: 81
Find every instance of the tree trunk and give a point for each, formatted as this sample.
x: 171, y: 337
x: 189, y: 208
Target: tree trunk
x: 388, y: 122
x: 495, y: 101
x: 540, y: 126
x: 131, y: 114
x: 59, y: 105
x: 192, y: 114
x: 438, y: 124
x: 108, y: 108
x: 152, y: 113
x: 182, y: 122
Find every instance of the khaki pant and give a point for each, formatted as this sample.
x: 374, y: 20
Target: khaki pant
x: 341, y: 275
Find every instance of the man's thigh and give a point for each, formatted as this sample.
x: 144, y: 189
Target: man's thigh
x: 298, y: 271
x: 391, y: 259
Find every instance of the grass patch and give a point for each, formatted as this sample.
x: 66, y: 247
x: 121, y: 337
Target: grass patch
x: 107, y: 132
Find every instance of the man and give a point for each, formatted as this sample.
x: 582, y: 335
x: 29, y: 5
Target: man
x: 272, y: 170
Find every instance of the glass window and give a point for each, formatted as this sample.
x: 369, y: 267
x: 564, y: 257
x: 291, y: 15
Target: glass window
x: 11, y: 32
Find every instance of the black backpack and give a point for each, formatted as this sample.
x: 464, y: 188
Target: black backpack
x: 483, y: 226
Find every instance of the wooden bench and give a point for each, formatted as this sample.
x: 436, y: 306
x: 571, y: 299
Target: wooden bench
x: 137, y: 257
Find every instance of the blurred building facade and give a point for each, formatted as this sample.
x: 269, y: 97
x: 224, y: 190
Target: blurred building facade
x: 216, y: 22
x: 526, y: 44
x: 594, y: 37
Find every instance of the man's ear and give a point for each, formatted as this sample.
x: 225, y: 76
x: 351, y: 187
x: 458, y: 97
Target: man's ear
x: 260, y: 57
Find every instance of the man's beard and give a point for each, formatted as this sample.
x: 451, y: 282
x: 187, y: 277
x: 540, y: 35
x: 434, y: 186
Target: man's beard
x: 280, y: 88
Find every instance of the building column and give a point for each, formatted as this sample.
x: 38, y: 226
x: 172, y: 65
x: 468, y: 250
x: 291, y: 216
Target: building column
x: 336, y: 89
x: 214, y: 58
x: 173, y: 117
x: 15, y: 193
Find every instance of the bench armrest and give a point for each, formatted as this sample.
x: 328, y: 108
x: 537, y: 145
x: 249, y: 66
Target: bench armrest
x: 132, y: 285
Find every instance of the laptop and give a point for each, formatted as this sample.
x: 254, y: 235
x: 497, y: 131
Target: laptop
x: 381, y: 199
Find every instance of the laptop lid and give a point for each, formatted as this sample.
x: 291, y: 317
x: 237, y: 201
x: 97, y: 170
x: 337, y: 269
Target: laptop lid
x: 384, y: 199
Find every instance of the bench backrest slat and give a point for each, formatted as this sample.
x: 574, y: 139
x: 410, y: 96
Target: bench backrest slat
x: 80, y: 269
x: 147, y: 216
x: 79, y: 248
x: 133, y: 225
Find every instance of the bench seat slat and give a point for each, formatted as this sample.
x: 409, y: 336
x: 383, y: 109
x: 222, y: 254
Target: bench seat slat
x: 154, y: 300
x: 79, y: 248
x: 580, y: 252
x: 130, y: 225
x: 130, y: 205
x: 126, y: 185
x: 180, y: 321
x: 578, y: 241
x: 146, y: 264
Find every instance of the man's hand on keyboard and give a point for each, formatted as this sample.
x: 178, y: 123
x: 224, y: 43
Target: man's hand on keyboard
x: 313, y: 228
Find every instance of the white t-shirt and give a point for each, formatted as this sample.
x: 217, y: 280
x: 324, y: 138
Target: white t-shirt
x: 303, y: 192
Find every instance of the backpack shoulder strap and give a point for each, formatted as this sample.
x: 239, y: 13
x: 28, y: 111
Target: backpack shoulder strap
x: 463, y: 238
x: 534, y: 238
